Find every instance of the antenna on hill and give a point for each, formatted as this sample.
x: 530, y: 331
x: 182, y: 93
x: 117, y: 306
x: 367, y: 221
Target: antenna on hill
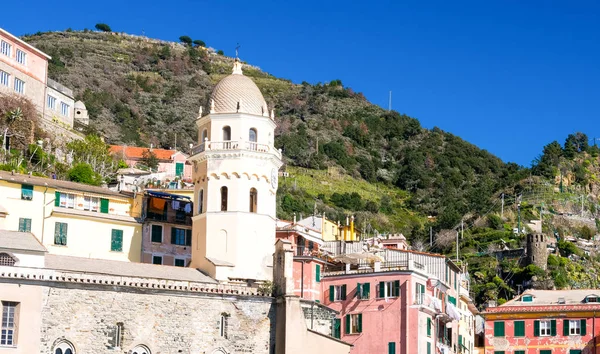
x: 390, y: 102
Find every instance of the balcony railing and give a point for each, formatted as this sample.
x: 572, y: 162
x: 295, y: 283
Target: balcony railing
x: 233, y: 145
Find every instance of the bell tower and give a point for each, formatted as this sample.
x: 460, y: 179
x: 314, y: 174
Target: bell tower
x: 235, y: 170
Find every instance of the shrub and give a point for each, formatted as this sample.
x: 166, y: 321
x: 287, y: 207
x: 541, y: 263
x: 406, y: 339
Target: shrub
x: 83, y: 173
x: 199, y: 43
x: 220, y: 52
x: 103, y: 27
x: 185, y: 40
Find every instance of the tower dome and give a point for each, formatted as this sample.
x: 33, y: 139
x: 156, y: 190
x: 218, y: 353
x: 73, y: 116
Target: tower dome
x: 237, y: 93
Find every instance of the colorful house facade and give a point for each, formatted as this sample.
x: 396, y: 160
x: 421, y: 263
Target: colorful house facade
x: 545, y: 322
x: 71, y: 218
x: 171, y: 163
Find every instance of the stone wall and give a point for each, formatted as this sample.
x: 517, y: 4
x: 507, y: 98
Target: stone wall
x: 319, y: 318
x: 165, y: 322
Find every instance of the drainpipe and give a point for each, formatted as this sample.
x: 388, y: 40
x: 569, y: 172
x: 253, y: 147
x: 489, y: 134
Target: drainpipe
x: 302, y: 281
x: 44, y: 215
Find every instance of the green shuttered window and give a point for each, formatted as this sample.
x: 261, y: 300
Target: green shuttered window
x: 519, y: 328
x: 179, y: 169
x: 57, y: 199
x: 353, y: 323
x: 104, y: 206
x: 24, y: 225
x: 157, y: 231
x: 573, y: 351
x: 545, y: 351
x: 498, y: 329
x: 519, y: 352
x: 60, y: 233
x: 363, y: 291
x: 428, y: 348
x: 318, y: 273
x: 391, y: 348
x: 428, y: 327
x: 116, y: 241
x: 337, y: 328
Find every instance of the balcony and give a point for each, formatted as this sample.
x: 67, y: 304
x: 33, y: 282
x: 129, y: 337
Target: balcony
x: 234, y: 145
x: 169, y: 210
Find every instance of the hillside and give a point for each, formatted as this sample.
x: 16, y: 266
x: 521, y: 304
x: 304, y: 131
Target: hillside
x: 141, y: 91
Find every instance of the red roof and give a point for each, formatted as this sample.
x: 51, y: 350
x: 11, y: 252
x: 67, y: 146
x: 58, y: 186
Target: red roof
x: 542, y: 308
x: 134, y: 152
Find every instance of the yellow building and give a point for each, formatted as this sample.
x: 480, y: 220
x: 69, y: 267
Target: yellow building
x: 332, y: 231
x: 71, y: 218
x: 466, y: 326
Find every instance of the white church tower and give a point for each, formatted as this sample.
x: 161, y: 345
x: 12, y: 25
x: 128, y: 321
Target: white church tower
x: 235, y: 183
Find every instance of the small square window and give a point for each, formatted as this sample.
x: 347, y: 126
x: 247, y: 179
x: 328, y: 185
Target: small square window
x: 157, y: 260
x: 179, y: 262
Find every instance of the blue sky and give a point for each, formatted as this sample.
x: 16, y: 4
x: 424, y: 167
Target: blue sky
x: 508, y: 76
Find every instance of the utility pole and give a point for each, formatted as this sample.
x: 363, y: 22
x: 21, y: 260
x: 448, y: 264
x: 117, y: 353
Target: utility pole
x: 519, y: 212
x: 582, y: 205
x: 390, y: 102
x: 462, y: 229
x: 457, y: 246
x: 430, y: 236
x: 502, y: 210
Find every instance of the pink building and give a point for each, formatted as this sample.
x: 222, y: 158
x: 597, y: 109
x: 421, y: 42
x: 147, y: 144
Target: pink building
x: 308, y: 259
x: 171, y: 162
x: 392, y: 301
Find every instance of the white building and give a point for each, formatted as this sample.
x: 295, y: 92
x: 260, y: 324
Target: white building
x: 235, y: 169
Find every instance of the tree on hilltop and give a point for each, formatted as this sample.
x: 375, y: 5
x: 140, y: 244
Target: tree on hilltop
x: 103, y: 27
x: 185, y: 40
x: 199, y: 43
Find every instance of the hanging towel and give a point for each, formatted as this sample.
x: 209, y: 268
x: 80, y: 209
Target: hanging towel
x: 175, y: 205
x: 157, y: 205
x: 188, y: 208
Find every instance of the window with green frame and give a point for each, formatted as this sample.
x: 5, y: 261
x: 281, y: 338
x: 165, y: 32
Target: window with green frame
x: 104, y: 205
x: 428, y: 348
x: 499, y: 352
x: 519, y: 352
x: 499, y: 329
x: 24, y: 225
x: 363, y: 291
x: 429, y: 325
x: 548, y: 351
x: 318, y: 273
x: 337, y: 328
x: 519, y: 328
x: 116, y: 240
x: 179, y: 169
x: 572, y: 351
x: 391, y: 348
x: 26, y: 192
x: 60, y: 233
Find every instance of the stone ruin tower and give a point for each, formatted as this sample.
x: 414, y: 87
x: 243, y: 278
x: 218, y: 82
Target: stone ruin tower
x: 537, y: 252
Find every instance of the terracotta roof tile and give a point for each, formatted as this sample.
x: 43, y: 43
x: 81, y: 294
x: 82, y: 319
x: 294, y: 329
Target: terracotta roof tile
x: 135, y: 152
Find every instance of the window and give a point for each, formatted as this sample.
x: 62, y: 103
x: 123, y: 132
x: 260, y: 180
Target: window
x: 157, y: 231
x: 116, y: 240
x: 337, y: 293
x: 140, y: 349
x: 181, y: 237
x: 226, y: 133
x: 201, y: 201
x: 363, y: 291
x: 179, y: 169
x: 574, y: 327
x: 544, y: 328
x: 545, y: 351
x: 389, y: 289
x: 223, y: 198
x: 91, y: 203
x: 21, y: 57
x: 429, y: 325
x: 519, y: 328
x: 60, y: 233
x: 19, y: 85
x: 253, y: 200
x: 572, y: 351
x: 156, y: 259
x: 519, y: 352
x: 51, y: 102
x: 252, y: 136
x: 419, y: 294
x: 527, y: 298
x: 6, y: 260
x: 498, y: 329
x: 104, y: 205
x: 592, y: 298
x: 428, y: 348
x: 24, y: 225
x: 118, y: 336
x: 26, y: 192
x: 9, y: 323
x: 317, y: 273
x: 223, y: 326
x: 499, y: 352
x: 179, y: 262
x: 64, y: 109
x: 354, y: 323
x: 4, y: 78
x: 337, y: 330
x: 5, y: 48
x: 391, y: 348
x: 64, y: 200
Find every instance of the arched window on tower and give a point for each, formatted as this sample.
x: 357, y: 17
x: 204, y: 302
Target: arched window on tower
x: 223, y: 198
x: 226, y: 133
x: 253, y: 200
x: 64, y: 347
x: 252, y: 137
x: 201, y: 201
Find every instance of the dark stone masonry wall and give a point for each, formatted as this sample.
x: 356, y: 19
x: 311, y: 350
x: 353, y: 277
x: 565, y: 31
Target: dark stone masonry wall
x: 318, y: 317
x: 165, y: 322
